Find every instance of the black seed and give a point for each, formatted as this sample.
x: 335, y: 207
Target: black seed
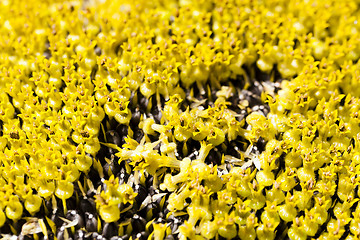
x: 213, y: 157
x: 138, y: 135
x: 135, y: 118
x: 138, y: 223
x: 143, y: 102
x: 142, y: 193
x: 109, y: 230
x: 91, y: 222
x: 55, y: 218
x: 113, y: 166
x: 113, y: 137
x: 73, y: 215
x: 122, y: 130
x: 157, y: 114
x: 71, y: 203
x: 95, y: 178
x: 87, y: 205
x: 261, y: 144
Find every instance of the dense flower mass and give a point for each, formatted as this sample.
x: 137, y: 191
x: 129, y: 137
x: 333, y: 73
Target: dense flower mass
x: 180, y: 119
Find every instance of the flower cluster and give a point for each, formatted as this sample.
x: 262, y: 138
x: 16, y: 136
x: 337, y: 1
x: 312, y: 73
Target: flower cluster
x: 316, y: 126
x: 180, y: 119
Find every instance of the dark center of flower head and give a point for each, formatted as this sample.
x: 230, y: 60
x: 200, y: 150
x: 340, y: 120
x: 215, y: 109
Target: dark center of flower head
x: 85, y: 134
x: 14, y: 135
